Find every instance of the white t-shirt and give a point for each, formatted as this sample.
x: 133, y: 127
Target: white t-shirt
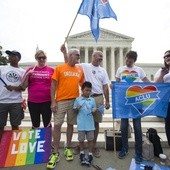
x: 11, y: 76
x: 130, y: 74
x: 96, y: 75
x: 166, y: 78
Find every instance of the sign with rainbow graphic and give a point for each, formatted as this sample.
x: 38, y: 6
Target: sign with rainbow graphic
x: 27, y: 146
x: 138, y: 99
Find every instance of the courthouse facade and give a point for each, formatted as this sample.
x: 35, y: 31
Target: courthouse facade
x: 114, y: 46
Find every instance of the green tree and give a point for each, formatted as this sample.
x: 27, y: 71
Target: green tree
x: 3, y: 60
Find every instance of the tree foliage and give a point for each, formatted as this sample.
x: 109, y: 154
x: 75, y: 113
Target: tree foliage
x: 3, y: 60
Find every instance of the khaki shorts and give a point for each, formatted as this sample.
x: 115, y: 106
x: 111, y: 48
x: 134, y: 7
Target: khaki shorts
x: 97, y: 115
x: 65, y: 107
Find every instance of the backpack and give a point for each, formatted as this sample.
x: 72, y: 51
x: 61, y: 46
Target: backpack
x: 147, y: 150
x: 153, y: 137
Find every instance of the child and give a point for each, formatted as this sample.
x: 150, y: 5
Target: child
x: 85, y: 106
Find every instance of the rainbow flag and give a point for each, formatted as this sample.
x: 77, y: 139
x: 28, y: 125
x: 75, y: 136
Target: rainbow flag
x: 138, y: 99
x: 23, y: 147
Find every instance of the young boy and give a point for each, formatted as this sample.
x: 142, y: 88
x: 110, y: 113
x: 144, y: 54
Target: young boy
x: 85, y: 106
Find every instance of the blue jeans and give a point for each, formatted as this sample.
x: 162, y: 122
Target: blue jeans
x: 167, y: 124
x: 138, y: 135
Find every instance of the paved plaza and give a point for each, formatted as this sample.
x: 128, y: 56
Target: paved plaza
x: 107, y: 159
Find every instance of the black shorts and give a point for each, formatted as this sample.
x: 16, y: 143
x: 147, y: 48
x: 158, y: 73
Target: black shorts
x: 16, y: 114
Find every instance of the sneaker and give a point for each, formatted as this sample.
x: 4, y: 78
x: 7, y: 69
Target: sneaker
x: 82, y: 159
x: 53, y: 159
x: 123, y: 153
x: 69, y: 154
x: 138, y: 159
x: 96, y: 152
x: 89, y: 160
x: 76, y: 150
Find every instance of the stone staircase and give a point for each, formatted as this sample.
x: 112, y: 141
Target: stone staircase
x: 147, y: 122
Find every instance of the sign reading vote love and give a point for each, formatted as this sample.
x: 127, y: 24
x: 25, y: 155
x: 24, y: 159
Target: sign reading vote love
x: 141, y: 98
x: 25, y: 146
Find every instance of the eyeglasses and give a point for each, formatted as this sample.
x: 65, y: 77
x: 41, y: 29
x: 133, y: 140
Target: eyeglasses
x: 167, y: 56
x: 42, y: 57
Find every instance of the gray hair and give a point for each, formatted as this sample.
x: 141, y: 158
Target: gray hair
x: 72, y: 50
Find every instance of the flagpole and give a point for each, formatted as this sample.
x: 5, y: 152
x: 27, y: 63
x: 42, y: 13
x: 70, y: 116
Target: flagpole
x: 70, y: 28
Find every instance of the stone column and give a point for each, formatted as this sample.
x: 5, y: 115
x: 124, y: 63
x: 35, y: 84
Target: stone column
x: 86, y: 55
x: 112, y: 68
x: 121, y: 56
x: 104, y: 58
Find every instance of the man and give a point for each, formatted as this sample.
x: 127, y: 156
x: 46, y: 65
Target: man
x: 64, y: 91
x: 98, y: 76
x: 131, y: 73
x: 10, y: 92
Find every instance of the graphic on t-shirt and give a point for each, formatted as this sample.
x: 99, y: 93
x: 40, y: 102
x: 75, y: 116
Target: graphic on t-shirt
x: 41, y: 75
x: 12, y: 76
x: 129, y: 77
x: 71, y: 74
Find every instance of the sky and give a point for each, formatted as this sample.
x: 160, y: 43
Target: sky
x: 24, y: 24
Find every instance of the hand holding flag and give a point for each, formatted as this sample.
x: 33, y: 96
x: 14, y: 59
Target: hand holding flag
x: 3, y: 81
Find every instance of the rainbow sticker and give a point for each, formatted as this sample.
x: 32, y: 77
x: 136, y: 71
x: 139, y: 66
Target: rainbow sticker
x: 22, y: 147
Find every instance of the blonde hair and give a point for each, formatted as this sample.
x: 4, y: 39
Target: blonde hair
x: 39, y: 52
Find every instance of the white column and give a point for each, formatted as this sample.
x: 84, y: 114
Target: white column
x: 86, y: 55
x: 104, y: 58
x: 112, y: 68
x: 94, y: 49
x: 121, y: 56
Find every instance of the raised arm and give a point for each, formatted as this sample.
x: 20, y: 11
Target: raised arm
x: 64, y: 51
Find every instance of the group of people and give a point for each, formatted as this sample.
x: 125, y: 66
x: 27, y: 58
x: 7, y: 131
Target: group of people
x: 57, y: 91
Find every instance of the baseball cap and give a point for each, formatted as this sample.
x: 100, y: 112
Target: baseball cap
x: 14, y: 52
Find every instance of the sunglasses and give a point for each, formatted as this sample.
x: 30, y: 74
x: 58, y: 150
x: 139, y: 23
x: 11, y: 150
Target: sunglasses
x: 41, y: 58
x: 167, y: 56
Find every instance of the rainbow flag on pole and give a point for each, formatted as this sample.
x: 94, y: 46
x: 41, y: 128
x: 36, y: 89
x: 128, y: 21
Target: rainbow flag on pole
x: 22, y: 147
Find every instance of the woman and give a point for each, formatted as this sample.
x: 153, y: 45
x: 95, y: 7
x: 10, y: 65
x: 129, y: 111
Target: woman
x: 38, y: 81
x: 163, y: 76
x: 135, y: 74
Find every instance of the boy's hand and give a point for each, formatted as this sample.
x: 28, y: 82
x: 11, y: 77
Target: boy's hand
x: 94, y: 110
x: 78, y: 107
